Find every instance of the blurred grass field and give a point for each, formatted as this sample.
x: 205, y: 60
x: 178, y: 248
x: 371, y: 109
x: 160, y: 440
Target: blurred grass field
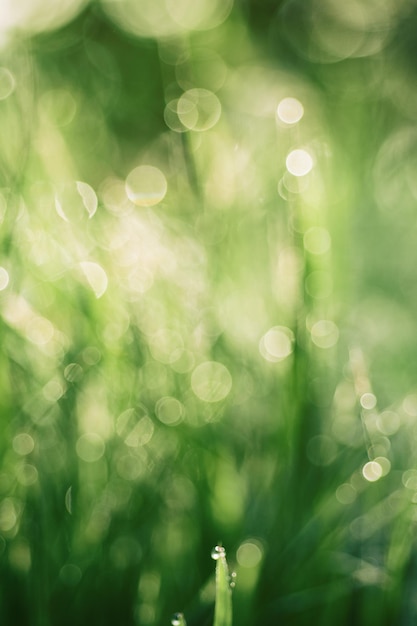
x: 208, y: 312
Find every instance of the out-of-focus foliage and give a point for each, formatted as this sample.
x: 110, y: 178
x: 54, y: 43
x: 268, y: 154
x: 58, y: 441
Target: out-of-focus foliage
x: 207, y: 310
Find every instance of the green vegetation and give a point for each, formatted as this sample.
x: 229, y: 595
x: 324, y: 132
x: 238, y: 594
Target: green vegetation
x: 207, y: 312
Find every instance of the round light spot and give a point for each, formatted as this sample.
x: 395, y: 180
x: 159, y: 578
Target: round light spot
x: 388, y: 422
x: 76, y: 201
x: 171, y: 117
x: 409, y: 479
x: 368, y: 401
x: 372, y: 471
x: 346, y: 493
x: 410, y: 404
x: 198, y: 14
x: 317, y: 240
x: 146, y: 185
x: 125, y: 551
x: 199, y: 109
x: 319, y: 284
x: 26, y: 474
x: 96, y: 277
x: 8, y: 515
x: 129, y: 467
x: 90, y: 447
x: 73, y: 372
x: 202, y: 68
x: 39, y: 331
x: 91, y: 355
x: 169, y: 411
x: 324, y: 334
x: 299, y: 162
x: 384, y: 463
x: 70, y: 574
x: 166, y: 345
x: 68, y: 500
x: 185, y: 363
x: 290, y: 111
x: 23, y: 444
x: 277, y: 344
x: 4, y: 278
x: 53, y: 390
x: 141, y: 433
x: 249, y: 554
x: 7, y: 83
x: 211, y: 381
x: 58, y: 107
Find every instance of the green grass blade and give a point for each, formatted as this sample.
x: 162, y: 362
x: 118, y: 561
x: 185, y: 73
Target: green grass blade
x: 223, y: 606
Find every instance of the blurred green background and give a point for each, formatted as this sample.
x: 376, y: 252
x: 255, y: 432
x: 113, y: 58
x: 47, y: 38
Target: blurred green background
x: 208, y: 298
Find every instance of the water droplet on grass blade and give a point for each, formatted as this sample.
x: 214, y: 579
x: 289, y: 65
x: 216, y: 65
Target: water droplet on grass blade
x: 178, y: 619
x: 223, y: 612
x: 217, y: 552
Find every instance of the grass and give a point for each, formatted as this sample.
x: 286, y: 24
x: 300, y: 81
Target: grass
x: 221, y: 347
x: 223, y: 605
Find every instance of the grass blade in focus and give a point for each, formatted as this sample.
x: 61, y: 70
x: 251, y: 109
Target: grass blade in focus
x: 223, y: 606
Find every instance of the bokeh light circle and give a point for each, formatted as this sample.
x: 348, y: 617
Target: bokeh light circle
x: 7, y: 83
x: 199, y: 109
x: 211, y: 381
x: 146, y: 185
x: 299, y: 162
x: 277, y: 344
x: 90, y: 447
x: 290, y: 111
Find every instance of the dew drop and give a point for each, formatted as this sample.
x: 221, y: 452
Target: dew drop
x: 232, y: 582
x: 178, y: 619
x: 217, y: 552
